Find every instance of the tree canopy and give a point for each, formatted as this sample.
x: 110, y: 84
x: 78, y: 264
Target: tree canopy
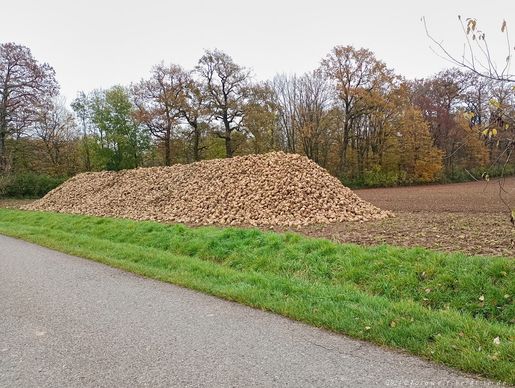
x: 352, y: 114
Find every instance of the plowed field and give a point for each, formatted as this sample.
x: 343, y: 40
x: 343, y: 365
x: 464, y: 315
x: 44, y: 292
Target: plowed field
x: 468, y: 217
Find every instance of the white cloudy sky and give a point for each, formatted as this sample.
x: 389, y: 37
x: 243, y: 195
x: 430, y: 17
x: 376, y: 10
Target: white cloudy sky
x: 99, y: 43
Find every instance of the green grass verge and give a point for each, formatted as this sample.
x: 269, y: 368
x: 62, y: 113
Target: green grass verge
x: 445, y: 307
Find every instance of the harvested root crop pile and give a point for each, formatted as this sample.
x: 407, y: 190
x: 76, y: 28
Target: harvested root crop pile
x: 270, y: 189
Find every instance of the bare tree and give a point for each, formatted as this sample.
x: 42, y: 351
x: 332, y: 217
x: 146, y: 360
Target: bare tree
x: 55, y: 127
x: 286, y: 90
x: 25, y: 86
x: 314, y: 103
x: 261, y: 118
x: 159, y: 101
x: 476, y: 55
x: 226, y: 88
x: 194, y: 111
x: 478, y: 58
x: 80, y: 107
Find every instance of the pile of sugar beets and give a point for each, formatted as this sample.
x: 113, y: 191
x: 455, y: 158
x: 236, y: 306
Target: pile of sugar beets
x: 276, y: 189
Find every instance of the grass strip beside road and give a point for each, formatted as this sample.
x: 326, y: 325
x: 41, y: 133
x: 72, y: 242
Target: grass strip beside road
x: 449, y: 308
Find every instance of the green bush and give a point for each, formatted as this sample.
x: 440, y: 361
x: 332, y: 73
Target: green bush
x: 492, y: 172
x: 375, y: 177
x: 5, y: 180
x: 28, y: 185
x: 378, y: 178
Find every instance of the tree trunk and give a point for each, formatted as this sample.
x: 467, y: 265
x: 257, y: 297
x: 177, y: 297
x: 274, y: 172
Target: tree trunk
x: 3, y: 156
x: 168, y: 152
x: 345, y: 144
x: 87, y: 160
x: 3, y: 135
x: 343, y: 153
x: 168, y: 137
x: 196, y: 143
x: 229, y: 152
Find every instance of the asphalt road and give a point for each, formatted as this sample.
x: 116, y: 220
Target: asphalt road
x: 69, y: 322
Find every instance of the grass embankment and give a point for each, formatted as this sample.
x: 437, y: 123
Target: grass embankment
x: 449, y: 308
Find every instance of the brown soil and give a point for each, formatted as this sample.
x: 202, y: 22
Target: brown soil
x: 470, y: 197
x: 466, y: 217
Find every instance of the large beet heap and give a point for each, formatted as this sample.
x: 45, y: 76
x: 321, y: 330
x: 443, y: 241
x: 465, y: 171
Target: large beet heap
x: 270, y: 189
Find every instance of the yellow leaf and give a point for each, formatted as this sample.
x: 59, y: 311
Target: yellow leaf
x: 494, y: 131
x: 494, y: 103
x: 468, y: 115
x: 485, y: 132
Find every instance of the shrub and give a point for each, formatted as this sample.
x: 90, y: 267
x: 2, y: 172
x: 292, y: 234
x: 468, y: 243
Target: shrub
x: 5, y: 181
x: 28, y: 185
x: 375, y: 177
x: 493, y: 172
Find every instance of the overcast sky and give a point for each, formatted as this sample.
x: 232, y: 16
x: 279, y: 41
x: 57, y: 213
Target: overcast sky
x: 100, y: 43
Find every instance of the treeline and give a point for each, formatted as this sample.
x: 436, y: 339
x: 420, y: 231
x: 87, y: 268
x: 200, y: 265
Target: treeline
x: 352, y: 115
